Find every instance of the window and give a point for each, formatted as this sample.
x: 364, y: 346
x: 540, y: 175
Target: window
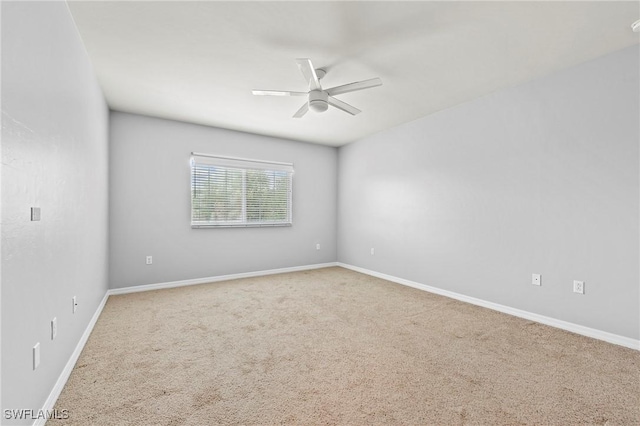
x: 228, y: 192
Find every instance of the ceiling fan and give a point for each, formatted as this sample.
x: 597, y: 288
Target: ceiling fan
x: 319, y: 99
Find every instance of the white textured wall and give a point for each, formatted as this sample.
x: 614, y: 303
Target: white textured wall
x: 54, y: 156
x: 540, y: 178
x: 150, y: 202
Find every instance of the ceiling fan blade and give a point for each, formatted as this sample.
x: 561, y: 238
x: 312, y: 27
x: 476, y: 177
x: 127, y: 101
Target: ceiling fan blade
x: 352, y: 87
x: 309, y: 73
x: 302, y: 111
x: 277, y: 93
x: 343, y: 106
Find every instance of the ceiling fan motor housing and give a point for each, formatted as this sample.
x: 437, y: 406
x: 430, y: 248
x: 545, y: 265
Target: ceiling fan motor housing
x: 318, y: 100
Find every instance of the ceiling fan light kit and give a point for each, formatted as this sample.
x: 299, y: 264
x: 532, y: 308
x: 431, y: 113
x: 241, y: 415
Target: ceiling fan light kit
x: 319, y: 99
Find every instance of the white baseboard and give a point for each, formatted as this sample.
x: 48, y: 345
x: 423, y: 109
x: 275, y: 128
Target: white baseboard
x: 564, y: 325
x: 68, y: 368
x: 195, y: 281
x: 575, y: 328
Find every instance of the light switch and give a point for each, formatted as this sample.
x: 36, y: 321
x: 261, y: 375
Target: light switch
x: 35, y: 214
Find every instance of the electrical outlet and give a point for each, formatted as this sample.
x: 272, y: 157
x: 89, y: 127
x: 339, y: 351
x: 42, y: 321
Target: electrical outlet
x: 74, y: 301
x: 318, y: 246
x: 36, y: 355
x: 54, y: 328
x: 373, y: 251
x: 149, y: 260
x: 578, y: 287
x: 536, y: 279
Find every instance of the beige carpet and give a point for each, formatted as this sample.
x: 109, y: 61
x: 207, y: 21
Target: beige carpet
x: 332, y: 346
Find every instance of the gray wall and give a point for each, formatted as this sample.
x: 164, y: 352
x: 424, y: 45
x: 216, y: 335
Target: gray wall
x: 540, y: 178
x: 54, y: 156
x: 150, y: 204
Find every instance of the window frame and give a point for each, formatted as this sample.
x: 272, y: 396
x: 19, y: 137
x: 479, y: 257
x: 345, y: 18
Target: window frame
x: 244, y: 165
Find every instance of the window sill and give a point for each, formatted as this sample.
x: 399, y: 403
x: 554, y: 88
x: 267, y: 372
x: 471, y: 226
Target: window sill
x: 244, y: 225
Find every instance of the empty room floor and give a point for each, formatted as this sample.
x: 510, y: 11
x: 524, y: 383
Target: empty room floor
x: 333, y: 346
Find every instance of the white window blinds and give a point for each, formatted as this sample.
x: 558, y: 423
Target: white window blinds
x: 227, y: 192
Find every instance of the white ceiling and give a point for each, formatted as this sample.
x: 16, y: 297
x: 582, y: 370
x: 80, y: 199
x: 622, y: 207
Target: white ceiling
x: 198, y: 61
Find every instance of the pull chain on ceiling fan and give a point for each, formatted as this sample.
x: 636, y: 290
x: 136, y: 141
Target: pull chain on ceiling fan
x: 319, y: 99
